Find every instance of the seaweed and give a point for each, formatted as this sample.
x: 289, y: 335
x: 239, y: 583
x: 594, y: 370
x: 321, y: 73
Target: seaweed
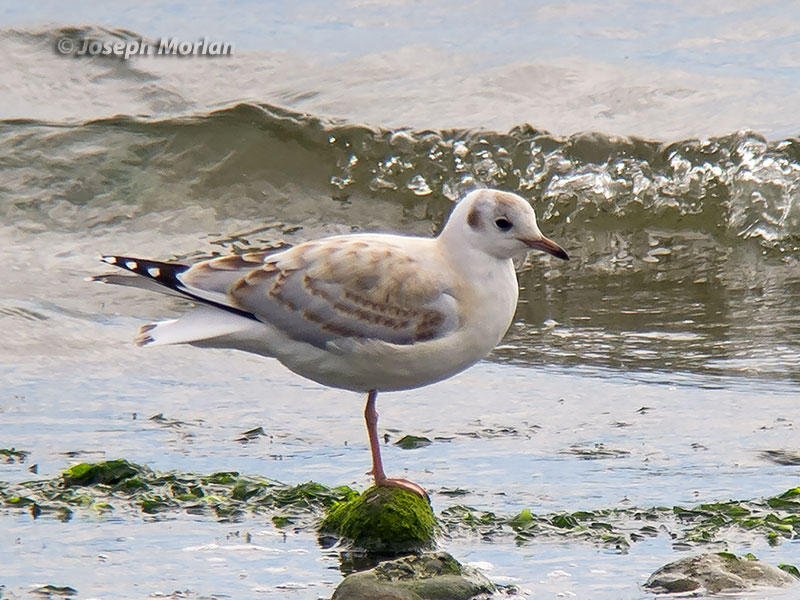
x: 122, y: 487
x: 119, y: 485
x: 12, y: 455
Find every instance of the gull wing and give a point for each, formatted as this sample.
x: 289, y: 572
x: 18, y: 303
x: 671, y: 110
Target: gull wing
x: 328, y: 291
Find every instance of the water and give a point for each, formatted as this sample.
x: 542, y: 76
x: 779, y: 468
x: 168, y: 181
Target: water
x: 657, y: 144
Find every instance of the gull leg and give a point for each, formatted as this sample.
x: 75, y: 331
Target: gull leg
x: 371, y: 417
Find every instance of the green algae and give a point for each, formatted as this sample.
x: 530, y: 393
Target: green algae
x: 790, y: 569
x: 109, y: 472
x: 410, y: 442
x: 12, y: 455
x: 123, y: 488
x: 54, y: 590
x: 776, y: 519
x: 388, y: 520
x: 595, y: 452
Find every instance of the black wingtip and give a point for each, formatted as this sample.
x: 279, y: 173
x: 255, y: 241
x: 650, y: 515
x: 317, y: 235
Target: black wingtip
x: 167, y: 275
x: 162, y: 272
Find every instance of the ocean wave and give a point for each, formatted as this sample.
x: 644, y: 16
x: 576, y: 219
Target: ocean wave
x: 737, y: 186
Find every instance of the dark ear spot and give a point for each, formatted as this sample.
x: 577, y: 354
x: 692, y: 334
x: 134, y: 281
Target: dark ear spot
x: 474, y: 219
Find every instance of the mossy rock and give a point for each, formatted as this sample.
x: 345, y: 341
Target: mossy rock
x: 110, y: 472
x: 386, y: 520
x: 423, y: 577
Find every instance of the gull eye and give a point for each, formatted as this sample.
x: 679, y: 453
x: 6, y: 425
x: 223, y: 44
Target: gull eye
x: 503, y: 224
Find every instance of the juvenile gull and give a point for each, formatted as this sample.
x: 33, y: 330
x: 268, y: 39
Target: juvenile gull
x: 362, y: 312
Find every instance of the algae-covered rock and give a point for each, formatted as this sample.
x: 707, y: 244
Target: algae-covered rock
x: 422, y: 577
x: 716, y: 573
x: 385, y: 520
x: 110, y: 472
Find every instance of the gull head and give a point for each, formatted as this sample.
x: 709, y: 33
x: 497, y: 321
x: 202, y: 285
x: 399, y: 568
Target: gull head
x: 500, y: 224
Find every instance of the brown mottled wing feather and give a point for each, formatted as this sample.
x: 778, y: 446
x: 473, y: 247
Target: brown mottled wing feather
x: 350, y: 287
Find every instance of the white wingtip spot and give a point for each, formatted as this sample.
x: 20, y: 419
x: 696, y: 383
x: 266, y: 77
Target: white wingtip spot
x: 112, y: 260
x: 154, y: 272
x: 132, y: 264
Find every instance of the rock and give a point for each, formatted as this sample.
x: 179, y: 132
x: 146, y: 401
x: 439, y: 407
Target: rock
x: 383, y: 520
x: 716, y: 573
x: 416, y: 577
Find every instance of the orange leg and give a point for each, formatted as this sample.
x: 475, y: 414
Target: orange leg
x: 371, y: 417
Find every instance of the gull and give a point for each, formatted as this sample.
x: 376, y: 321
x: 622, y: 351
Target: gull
x: 364, y: 312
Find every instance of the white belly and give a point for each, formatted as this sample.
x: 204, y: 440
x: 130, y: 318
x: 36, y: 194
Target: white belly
x: 375, y: 365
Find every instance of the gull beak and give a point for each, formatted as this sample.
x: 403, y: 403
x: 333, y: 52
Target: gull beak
x: 546, y: 245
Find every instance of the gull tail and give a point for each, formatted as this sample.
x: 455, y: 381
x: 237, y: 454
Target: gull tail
x: 210, y: 323
x: 200, y: 326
